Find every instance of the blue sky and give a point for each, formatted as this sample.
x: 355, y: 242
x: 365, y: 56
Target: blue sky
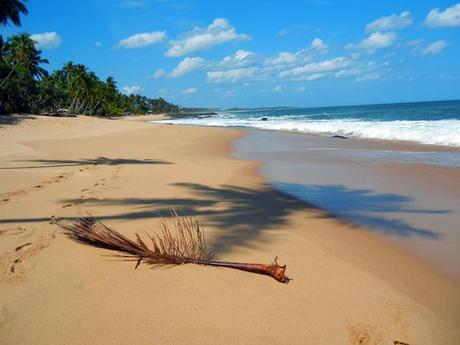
x: 258, y: 53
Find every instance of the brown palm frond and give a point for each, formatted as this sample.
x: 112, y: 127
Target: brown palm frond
x: 184, y: 244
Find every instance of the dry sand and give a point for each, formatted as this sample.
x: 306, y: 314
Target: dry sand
x: 348, y: 287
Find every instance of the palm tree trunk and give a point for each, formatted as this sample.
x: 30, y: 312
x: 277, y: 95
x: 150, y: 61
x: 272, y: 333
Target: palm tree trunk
x: 9, y: 75
x: 81, y: 105
x: 93, y: 112
x: 72, y: 105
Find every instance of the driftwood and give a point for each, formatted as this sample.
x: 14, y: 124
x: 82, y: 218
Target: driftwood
x: 185, y: 245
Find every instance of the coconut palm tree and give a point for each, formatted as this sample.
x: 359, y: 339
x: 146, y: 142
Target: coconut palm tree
x: 23, y: 47
x: 19, y: 51
x: 10, y: 10
x: 20, y: 70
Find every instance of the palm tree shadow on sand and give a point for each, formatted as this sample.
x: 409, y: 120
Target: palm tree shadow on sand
x: 13, y: 119
x: 54, y: 163
x: 364, y: 208
x: 246, y: 214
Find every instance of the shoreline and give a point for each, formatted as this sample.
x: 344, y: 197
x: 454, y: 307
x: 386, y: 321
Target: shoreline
x: 409, y: 203
x: 132, y: 172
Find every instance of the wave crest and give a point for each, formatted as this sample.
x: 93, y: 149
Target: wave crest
x: 438, y: 132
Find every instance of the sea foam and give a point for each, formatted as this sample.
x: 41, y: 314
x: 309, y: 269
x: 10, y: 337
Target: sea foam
x: 437, y: 132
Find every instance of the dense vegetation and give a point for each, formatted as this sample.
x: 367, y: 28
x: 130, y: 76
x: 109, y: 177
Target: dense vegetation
x: 10, y: 10
x: 25, y: 86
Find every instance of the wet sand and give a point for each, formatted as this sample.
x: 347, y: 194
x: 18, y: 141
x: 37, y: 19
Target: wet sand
x: 402, y: 192
x: 348, y: 286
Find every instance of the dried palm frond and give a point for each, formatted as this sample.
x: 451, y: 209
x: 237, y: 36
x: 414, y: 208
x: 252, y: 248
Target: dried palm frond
x: 185, y: 244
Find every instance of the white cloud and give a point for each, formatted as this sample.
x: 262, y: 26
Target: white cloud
x: 189, y: 91
x: 98, y: 44
x: 363, y: 71
x: 300, y: 89
x: 449, y: 17
x: 298, y: 57
x: 375, y: 41
x: 129, y: 90
x: 435, y: 47
x: 314, y: 70
x: 241, y: 58
x: 230, y: 76
x: 290, y: 58
x: 319, y: 46
x: 186, y: 66
x: 218, y: 32
x: 314, y: 76
x: 143, y: 39
x: 46, y: 40
x: 283, y: 58
x: 369, y: 76
x: 159, y: 73
x: 278, y: 88
x: 393, y: 22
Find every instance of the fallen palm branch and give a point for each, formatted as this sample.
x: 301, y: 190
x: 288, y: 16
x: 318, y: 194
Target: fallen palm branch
x: 184, y: 245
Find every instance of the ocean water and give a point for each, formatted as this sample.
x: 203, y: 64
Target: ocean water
x: 435, y: 123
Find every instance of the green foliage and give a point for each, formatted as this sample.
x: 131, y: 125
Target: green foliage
x: 26, y: 87
x: 10, y: 10
x: 19, y: 71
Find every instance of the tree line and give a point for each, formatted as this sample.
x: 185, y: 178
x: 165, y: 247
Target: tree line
x: 25, y: 86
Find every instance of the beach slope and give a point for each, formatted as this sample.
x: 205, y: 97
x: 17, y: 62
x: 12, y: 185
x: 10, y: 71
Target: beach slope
x: 348, y: 287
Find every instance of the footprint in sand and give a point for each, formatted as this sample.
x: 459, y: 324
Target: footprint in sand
x: 14, y: 264
x: 6, y: 197
x: 12, y: 231
x: 101, y: 182
x: 362, y: 334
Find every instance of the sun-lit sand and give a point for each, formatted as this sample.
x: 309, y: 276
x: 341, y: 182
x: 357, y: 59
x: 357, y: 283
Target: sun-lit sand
x: 348, y: 287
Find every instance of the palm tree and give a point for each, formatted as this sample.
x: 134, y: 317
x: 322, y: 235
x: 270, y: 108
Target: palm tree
x: 24, y: 52
x: 10, y: 11
x: 19, y: 50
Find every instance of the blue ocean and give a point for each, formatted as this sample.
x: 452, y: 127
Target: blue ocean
x: 435, y: 123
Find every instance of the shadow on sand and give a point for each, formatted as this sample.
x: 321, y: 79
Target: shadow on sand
x: 245, y: 214
x: 364, y: 207
x: 44, y: 163
x: 14, y: 119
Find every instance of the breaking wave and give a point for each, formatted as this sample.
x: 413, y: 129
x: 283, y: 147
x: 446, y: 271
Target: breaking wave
x: 433, y: 132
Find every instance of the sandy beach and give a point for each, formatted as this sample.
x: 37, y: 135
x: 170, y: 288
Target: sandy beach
x: 348, y: 286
